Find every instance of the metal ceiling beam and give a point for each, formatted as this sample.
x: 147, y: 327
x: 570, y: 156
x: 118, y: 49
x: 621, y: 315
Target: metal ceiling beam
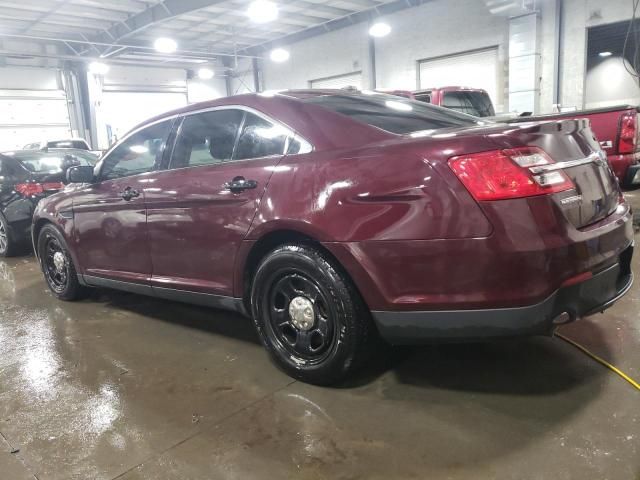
x: 152, y: 15
x: 337, y: 24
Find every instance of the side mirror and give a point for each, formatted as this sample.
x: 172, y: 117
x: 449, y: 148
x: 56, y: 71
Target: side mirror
x: 80, y: 174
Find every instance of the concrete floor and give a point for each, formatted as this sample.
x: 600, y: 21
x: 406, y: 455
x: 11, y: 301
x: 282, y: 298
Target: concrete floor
x: 123, y: 386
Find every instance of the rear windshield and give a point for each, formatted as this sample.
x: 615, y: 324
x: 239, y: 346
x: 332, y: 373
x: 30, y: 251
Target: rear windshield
x: 53, y: 162
x: 391, y: 113
x: 477, y: 104
x: 79, y: 144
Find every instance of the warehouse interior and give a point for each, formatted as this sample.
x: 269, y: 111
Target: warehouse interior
x: 125, y: 386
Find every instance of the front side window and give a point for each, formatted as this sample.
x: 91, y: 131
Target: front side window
x: 140, y: 153
x: 206, y: 138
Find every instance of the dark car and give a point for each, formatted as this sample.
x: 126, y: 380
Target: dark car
x: 25, y: 178
x: 330, y: 217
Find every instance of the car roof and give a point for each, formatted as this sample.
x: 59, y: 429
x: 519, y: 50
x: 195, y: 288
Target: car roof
x: 320, y: 126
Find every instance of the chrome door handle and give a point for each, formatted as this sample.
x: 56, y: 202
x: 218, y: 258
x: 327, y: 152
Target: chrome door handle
x: 239, y: 184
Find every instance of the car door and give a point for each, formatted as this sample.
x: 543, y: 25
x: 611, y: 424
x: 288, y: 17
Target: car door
x: 110, y: 220
x: 201, y: 208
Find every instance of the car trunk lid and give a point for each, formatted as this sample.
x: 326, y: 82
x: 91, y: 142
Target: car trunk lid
x: 573, y: 147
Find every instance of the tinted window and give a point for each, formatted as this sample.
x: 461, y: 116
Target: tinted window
x: 260, y: 138
x: 391, y: 113
x: 472, y: 103
x: 423, y: 97
x: 206, y: 138
x: 140, y: 153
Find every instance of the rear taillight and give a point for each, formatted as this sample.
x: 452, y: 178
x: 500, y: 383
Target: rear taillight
x: 628, y: 133
x: 502, y: 174
x: 52, y: 186
x: 30, y: 189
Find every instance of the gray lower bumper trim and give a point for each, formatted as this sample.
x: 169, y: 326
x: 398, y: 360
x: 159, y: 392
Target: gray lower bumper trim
x: 591, y: 296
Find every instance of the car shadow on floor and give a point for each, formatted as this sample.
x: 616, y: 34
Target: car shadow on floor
x: 212, y: 321
x: 522, y: 366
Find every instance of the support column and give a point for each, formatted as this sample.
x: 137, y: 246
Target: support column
x: 524, y: 63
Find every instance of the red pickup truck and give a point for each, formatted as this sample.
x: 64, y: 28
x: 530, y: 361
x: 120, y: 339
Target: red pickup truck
x: 472, y: 101
x: 616, y: 128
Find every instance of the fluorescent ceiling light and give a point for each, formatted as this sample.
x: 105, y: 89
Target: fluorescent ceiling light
x: 165, y: 45
x: 98, y: 68
x: 279, y: 55
x: 605, y: 54
x: 379, y: 29
x: 205, y: 74
x: 262, y: 11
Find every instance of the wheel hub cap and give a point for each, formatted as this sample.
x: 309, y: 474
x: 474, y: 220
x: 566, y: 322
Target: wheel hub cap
x: 59, y: 261
x: 301, y: 313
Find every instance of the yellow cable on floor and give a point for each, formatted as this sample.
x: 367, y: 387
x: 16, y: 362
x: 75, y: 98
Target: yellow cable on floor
x: 600, y: 360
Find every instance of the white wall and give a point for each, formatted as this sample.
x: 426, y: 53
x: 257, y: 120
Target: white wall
x: 335, y: 53
x: 202, y: 90
x: 438, y: 28
x: 609, y: 83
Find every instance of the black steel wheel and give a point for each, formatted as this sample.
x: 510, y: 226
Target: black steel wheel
x: 309, y: 316
x: 57, y: 265
x: 301, y: 317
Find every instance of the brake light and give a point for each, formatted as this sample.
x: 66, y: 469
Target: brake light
x: 29, y: 189
x: 503, y: 174
x: 52, y: 186
x: 628, y: 133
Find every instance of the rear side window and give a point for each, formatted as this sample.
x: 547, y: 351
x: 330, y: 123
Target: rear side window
x: 260, y: 138
x: 391, y: 113
x: 477, y: 104
x: 206, y: 138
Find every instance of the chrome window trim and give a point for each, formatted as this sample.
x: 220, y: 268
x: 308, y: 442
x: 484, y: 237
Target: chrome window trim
x: 264, y: 116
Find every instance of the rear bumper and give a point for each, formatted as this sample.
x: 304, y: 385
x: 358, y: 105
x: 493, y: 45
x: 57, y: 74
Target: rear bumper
x: 566, y: 304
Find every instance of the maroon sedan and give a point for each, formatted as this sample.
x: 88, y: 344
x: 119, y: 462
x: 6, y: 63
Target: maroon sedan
x: 331, y: 217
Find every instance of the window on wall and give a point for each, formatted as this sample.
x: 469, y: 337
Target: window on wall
x: 140, y: 153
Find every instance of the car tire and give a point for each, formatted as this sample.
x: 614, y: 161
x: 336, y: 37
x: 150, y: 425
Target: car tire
x: 57, y: 265
x: 8, y: 244
x: 309, y: 316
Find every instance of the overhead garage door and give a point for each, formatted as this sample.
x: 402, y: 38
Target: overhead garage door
x: 339, y: 81
x: 124, y: 110
x: 132, y: 95
x: 478, y: 69
x: 30, y: 116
